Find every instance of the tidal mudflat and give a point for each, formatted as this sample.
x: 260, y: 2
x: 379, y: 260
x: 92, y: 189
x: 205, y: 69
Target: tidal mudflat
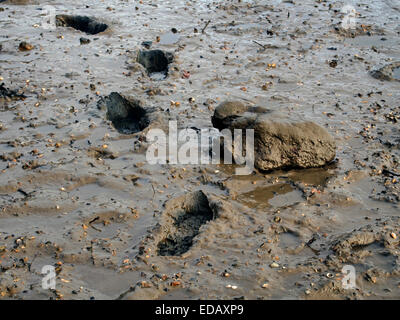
x: 77, y: 193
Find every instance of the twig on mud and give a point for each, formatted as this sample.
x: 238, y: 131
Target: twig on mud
x: 261, y: 45
x: 386, y: 171
x: 23, y: 192
x: 154, y: 191
x: 93, y: 220
x: 208, y: 22
x: 266, y: 46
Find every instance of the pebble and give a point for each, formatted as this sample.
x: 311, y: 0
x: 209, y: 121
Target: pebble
x: 147, y: 44
x: 25, y: 46
x: 274, y: 265
x: 84, y: 40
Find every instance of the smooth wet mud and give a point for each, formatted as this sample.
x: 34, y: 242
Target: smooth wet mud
x: 396, y: 73
x: 77, y: 192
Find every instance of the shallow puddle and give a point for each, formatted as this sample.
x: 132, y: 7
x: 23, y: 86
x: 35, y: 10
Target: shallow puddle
x: 315, y: 177
x: 277, y: 195
x: 396, y: 73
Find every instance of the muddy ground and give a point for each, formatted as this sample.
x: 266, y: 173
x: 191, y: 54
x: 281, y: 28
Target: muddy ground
x: 77, y: 193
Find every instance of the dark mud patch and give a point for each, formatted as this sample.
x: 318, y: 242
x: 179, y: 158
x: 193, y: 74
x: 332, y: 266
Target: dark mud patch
x: 156, y: 63
x: 81, y: 23
x: 126, y: 114
x: 391, y: 72
x: 183, y: 224
x: 8, y: 94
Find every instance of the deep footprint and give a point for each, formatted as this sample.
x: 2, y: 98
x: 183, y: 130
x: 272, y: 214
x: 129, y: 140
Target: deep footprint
x: 183, y: 224
x: 126, y: 115
x: 81, y: 23
x: 156, y: 62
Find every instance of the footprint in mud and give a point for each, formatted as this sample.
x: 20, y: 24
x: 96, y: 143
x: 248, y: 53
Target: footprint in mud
x: 126, y: 115
x: 156, y: 63
x: 81, y: 23
x: 183, y: 222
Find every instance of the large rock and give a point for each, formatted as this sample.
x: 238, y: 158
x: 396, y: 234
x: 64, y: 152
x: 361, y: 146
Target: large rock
x: 279, y: 142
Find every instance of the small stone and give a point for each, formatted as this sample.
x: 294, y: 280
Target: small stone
x: 145, y: 284
x: 84, y: 40
x: 274, y: 265
x: 25, y: 46
x: 147, y: 44
x: 267, y: 85
x: 333, y: 63
x: 393, y: 235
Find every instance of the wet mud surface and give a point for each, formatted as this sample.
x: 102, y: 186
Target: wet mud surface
x: 77, y: 193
